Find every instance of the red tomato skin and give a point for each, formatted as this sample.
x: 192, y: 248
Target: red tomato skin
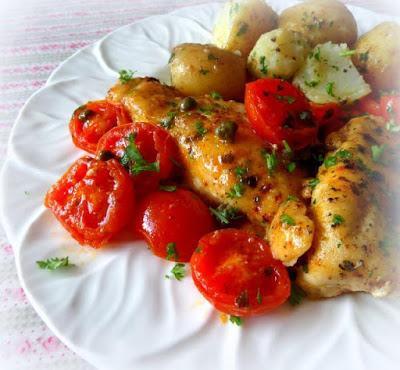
x: 178, y: 217
x: 104, y: 115
x: 93, y: 200
x: 369, y: 105
x: 273, y: 103
x: 231, y: 261
x: 390, y: 107
x: 153, y: 142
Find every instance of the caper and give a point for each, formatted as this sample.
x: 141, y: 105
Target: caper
x: 227, y: 131
x: 187, y: 103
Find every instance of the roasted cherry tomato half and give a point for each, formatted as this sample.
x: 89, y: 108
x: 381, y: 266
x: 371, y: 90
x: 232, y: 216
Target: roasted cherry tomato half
x: 149, y: 153
x: 390, y: 107
x: 173, y: 223
x: 236, y: 272
x: 93, y: 200
x: 369, y: 105
x: 92, y: 120
x: 278, y: 111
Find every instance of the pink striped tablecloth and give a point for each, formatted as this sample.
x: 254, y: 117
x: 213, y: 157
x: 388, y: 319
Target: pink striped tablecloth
x: 35, y: 36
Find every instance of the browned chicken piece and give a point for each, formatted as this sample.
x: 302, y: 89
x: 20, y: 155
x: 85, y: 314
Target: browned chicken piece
x: 354, y: 247
x: 291, y: 232
x: 224, y: 160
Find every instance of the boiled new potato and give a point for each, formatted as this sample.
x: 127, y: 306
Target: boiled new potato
x: 378, y: 56
x: 278, y: 53
x: 321, y: 21
x: 198, y: 69
x: 329, y: 76
x: 241, y: 23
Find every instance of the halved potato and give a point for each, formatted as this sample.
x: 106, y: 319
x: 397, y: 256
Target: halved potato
x: 321, y: 21
x: 241, y: 23
x: 278, y: 54
x: 198, y: 69
x: 378, y: 56
x: 329, y: 76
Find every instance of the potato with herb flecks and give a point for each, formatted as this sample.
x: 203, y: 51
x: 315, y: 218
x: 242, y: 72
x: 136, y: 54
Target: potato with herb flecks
x: 278, y: 54
x: 378, y: 56
x: 198, y: 69
x: 321, y: 21
x: 241, y: 23
x: 329, y: 76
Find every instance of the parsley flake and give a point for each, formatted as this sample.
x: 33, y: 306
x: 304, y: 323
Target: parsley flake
x: 264, y: 67
x: 226, y: 214
x: 240, y: 171
x: 296, y: 295
x: 291, y: 197
x: 313, y: 183
x: 171, y: 251
x: 312, y: 83
x: 329, y: 88
x: 54, y: 263
x: 134, y: 161
x: 286, y: 147
x: 236, y: 191
x: 200, y: 129
x: 337, y: 220
x: 168, y: 121
x: 125, y: 75
x: 178, y: 272
x: 291, y: 167
x: 236, y: 320
x: 377, y: 152
x: 347, y: 53
x: 287, y: 220
x: 216, y: 95
x: 169, y: 188
x: 271, y: 160
x: 259, y: 296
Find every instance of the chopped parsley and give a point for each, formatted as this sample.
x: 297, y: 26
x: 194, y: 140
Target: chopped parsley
x: 236, y: 191
x: 236, y: 320
x: 242, y: 29
x: 216, y: 95
x: 331, y: 160
x: 364, y: 56
x: 377, y: 152
x: 312, y: 83
x: 203, y: 71
x: 291, y: 167
x: 296, y: 295
x: 178, y: 272
x: 54, y: 263
x: 291, y: 197
x: 286, y: 98
x: 287, y: 220
x: 347, y: 53
x: 271, y: 160
x: 226, y: 214
x: 169, y: 120
x: 337, y: 220
x: 259, y: 296
x: 169, y: 188
x: 200, y: 129
x: 317, y: 55
x: 171, y: 58
x: 264, y: 67
x: 240, y: 171
x: 286, y: 147
x: 125, y: 75
x: 171, y: 251
x: 207, y: 110
x: 329, y: 88
x: 134, y: 161
x: 313, y: 183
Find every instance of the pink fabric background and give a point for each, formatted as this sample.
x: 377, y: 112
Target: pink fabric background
x: 35, y: 36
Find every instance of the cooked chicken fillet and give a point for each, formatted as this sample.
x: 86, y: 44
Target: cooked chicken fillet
x: 211, y: 156
x: 354, y: 247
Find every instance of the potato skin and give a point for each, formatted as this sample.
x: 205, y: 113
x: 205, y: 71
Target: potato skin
x: 198, y: 69
x: 321, y: 21
x: 241, y: 23
x: 278, y: 54
x: 378, y: 56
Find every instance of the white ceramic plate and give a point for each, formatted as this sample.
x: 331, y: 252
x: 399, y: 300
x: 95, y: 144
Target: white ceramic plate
x: 115, y: 308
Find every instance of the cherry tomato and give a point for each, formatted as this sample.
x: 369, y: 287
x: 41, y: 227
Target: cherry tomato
x: 173, y: 223
x: 93, y: 200
x: 92, y: 120
x: 236, y: 272
x: 154, y: 144
x: 326, y: 114
x: 390, y: 107
x: 369, y: 105
x: 278, y: 111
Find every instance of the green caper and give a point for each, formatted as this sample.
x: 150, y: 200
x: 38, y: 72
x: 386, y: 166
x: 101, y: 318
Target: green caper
x: 227, y: 131
x: 187, y: 103
x: 84, y: 115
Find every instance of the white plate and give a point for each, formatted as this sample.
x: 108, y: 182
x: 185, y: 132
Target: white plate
x: 115, y: 308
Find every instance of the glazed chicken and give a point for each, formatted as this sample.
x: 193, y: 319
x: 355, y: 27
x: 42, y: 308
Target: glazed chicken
x: 224, y: 160
x: 354, y: 247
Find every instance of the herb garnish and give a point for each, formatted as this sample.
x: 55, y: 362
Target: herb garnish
x: 226, y: 214
x: 286, y: 98
x: 364, y: 56
x: 264, y: 67
x: 286, y: 147
x: 54, y: 263
x: 203, y: 71
x: 216, y: 95
x: 236, y: 191
x: 200, y: 129
x: 312, y: 83
x: 331, y: 160
x: 347, y: 53
x: 288, y: 220
x: 392, y: 126
x: 171, y: 58
x: 259, y: 296
x: 291, y: 167
x: 134, y: 161
x: 178, y: 272
x: 313, y: 183
x: 169, y: 188
x: 271, y: 160
x: 296, y: 294
x: 291, y: 197
x: 329, y: 88
x: 317, y: 55
x: 337, y: 220
x: 125, y: 75
x: 171, y: 251
x: 377, y: 152
x: 236, y: 320
x: 168, y: 121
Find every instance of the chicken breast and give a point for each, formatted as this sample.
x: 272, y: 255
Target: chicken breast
x: 224, y: 160
x: 353, y: 208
